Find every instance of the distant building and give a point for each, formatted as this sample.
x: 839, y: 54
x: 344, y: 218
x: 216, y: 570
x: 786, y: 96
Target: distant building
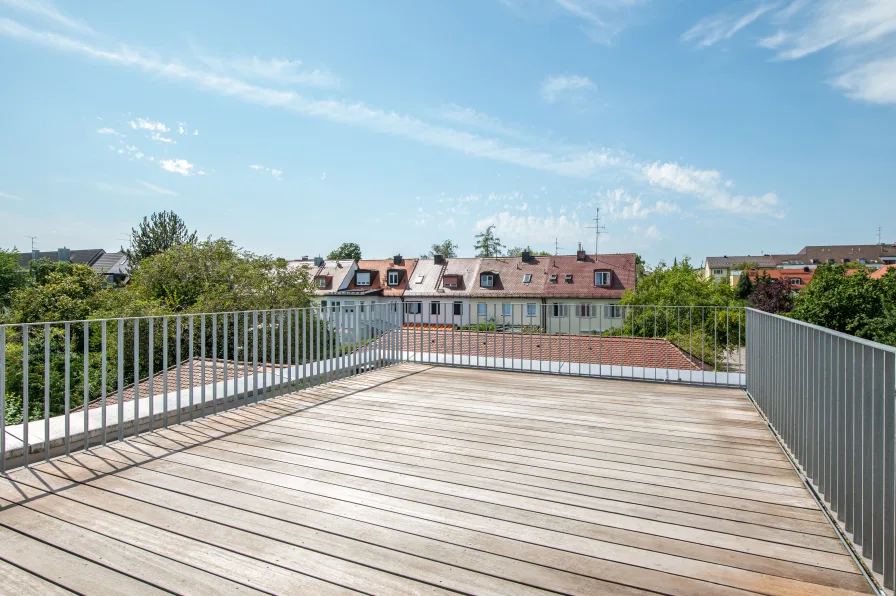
x: 112, y: 266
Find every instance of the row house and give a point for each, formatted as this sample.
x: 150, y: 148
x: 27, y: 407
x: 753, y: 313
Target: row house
x: 560, y: 294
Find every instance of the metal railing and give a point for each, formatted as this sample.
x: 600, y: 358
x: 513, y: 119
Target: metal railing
x: 698, y: 344
x: 70, y: 385
x: 831, y: 398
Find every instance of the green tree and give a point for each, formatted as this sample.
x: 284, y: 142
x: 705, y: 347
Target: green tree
x: 57, y: 292
x: 12, y: 277
x: 158, y: 233
x: 446, y: 248
x: 216, y: 276
x: 745, y: 286
x: 851, y: 303
x: 487, y: 244
x: 346, y: 251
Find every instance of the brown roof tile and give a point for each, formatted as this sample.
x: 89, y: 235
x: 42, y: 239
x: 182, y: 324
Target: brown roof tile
x: 379, y: 269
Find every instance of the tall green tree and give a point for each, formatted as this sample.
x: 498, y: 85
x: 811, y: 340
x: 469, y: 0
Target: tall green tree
x: 745, y: 286
x: 487, y: 244
x: 346, y: 251
x: 56, y: 292
x: 157, y: 233
x: 446, y: 248
x: 12, y: 277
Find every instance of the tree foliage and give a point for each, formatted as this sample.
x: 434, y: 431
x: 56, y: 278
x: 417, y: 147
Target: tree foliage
x: 850, y: 302
x: 446, y: 248
x: 157, y: 233
x: 679, y: 285
x: 744, y: 287
x: 346, y: 251
x: 12, y: 277
x: 59, y: 291
x: 770, y: 295
x: 487, y: 244
x: 517, y: 251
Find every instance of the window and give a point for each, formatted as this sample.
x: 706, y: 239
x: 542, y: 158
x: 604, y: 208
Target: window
x: 795, y: 281
x: 361, y: 305
x: 481, y: 309
x: 393, y: 307
x: 449, y: 281
x: 601, y: 278
x: 553, y: 278
x: 419, y: 279
x: 412, y: 308
x: 487, y: 280
x: 323, y: 304
x: 585, y: 311
x: 362, y: 278
x: 394, y: 277
x: 559, y: 310
x: 569, y: 278
x: 614, y: 311
x: 531, y: 309
x: 527, y: 278
x: 718, y: 272
x: 321, y: 282
x: 458, y: 309
x: 435, y: 308
x: 506, y: 309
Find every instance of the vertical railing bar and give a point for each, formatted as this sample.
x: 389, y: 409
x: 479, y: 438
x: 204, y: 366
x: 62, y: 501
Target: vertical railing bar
x: 136, y: 377
x: 26, y: 411
x: 215, y: 364
x: 120, y: 367
x: 225, y: 375
x: 151, y: 372
x: 165, y: 372
x: 246, y: 355
x: 86, y: 380
x: 68, y: 388
x: 255, y: 356
x: 177, y: 372
x: 202, y: 365
x: 191, y: 364
x: 46, y: 392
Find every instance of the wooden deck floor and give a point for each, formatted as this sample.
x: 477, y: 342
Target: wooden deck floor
x: 426, y: 480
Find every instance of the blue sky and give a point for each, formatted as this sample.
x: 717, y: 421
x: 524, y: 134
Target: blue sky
x: 699, y: 128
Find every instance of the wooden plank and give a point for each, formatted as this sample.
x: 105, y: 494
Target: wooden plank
x: 15, y: 580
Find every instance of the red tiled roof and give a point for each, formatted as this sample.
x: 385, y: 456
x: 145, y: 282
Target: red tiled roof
x: 882, y: 271
x: 786, y: 275
x: 622, y: 278
x: 509, y: 275
x: 617, y: 351
x: 378, y: 282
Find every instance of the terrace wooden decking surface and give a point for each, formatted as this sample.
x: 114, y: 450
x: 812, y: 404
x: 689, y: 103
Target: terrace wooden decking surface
x: 427, y: 480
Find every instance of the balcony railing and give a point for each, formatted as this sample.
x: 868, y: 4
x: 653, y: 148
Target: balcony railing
x: 831, y: 398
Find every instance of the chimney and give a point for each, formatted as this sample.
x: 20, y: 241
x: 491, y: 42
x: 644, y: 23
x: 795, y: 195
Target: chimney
x: 34, y: 254
x: 438, y: 259
x: 526, y: 256
x: 318, y: 261
x: 397, y: 260
x: 580, y: 254
x: 63, y: 255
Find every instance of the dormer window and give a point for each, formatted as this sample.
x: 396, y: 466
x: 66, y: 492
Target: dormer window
x: 553, y: 278
x: 601, y: 278
x: 362, y: 278
x: 527, y: 278
x: 795, y: 281
x: 393, y: 278
x: 569, y: 278
x: 487, y: 280
x: 320, y: 282
x: 450, y: 281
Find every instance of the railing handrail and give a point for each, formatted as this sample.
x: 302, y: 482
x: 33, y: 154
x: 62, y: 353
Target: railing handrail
x: 192, y: 314
x: 832, y: 332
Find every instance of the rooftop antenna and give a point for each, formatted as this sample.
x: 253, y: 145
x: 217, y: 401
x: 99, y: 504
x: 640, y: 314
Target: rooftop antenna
x: 33, y: 238
x: 878, y: 234
x: 130, y: 239
x: 597, y: 230
x: 557, y: 246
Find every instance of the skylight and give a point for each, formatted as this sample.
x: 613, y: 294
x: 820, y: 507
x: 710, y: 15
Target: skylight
x: 419, y: 279
x: 527, y: 278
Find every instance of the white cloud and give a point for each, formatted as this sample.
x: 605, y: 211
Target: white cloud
x: 278, y: 70
x: 158, y: 137
x: 323, y: 176
x: 266, y: 170
x: 600, y: 20
x: 529, y: 229
x: 177, y: 166
x: 195, y: 133
x: 109, y: 131
x: 143, y: 123
x: 575, y: 162
x: 474, y: 119
x: 158, y: 189
x: 569, y: 87
x: 649, y: 233
x: 6, y: 195
x: 711, y: 188
x: 724, y: 25
x: 180, y: 129
x: 620, y: 204
x: 874, y: 82
x: 45, y: 9
x: 201, y: 173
